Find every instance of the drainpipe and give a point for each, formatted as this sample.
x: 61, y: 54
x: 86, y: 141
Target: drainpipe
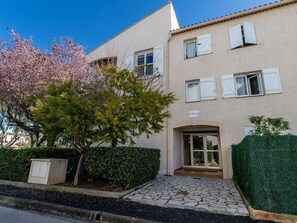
x: 168, y: 161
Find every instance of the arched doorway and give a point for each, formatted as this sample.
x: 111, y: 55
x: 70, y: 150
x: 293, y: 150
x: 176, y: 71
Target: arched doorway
x: 198, y: 150
x: 201, y: 150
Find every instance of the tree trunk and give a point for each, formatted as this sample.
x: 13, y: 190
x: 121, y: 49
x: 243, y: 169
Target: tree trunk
x: 50, y: 141
x: 78, y: 169
x: 114, y: 143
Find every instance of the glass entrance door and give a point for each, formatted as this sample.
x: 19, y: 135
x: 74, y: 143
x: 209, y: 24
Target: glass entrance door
x: 201, y: 150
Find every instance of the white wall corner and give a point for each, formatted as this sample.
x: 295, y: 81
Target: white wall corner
x: 173, y: 19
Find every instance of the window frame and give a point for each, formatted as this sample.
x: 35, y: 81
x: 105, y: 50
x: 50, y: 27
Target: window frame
x: 247, y: 35
x: 193, y: 40
x: 248, y: 85
x: 145, y: 65
x: 197, y: 81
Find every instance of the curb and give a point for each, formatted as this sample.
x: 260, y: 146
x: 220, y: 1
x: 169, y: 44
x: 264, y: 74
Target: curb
x: 72, y: 190
x: 66, y: 211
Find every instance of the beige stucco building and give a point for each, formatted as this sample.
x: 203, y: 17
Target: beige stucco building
x: 221, y: 72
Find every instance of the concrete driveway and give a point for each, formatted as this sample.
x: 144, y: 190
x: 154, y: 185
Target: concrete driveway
x: 202, y: 194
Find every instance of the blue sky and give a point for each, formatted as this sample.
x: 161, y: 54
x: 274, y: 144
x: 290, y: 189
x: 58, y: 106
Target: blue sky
x: 91, y: 22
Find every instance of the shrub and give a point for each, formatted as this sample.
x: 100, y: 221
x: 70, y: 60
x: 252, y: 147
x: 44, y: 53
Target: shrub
x: 125, y: 167
x: 15, y: 164
x: 269, y: 126
x: 265, y: 169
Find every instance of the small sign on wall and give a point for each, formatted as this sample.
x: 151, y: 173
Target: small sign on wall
x: 194, y: 114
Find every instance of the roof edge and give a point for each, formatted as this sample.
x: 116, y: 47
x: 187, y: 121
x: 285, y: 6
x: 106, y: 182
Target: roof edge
x: 234, y: 16
x: 134, y: 24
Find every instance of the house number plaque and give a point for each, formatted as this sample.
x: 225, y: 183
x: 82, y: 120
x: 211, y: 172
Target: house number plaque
x: 194, y: 114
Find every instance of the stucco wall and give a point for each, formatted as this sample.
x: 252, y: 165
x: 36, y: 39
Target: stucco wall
x: 150, y: 32
x: 146, y: 34
x: 276, y: 32
x: 276, y: 37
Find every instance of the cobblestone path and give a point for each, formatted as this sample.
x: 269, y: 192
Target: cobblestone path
x: 202, y: 194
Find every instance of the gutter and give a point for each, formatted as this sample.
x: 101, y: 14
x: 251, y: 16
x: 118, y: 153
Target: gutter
x: 168, y: 119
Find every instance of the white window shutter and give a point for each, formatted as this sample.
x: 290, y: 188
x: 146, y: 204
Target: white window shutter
x: 129, y: 61
x: 208, y: 88
x: 272, y: 81
x: 204, y: 44
x: 228, y: 86
x: 249, y: 33
x: 235, y: 36
x: 159, y: 59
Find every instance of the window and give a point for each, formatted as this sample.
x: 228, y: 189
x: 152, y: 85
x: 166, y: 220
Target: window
x: 248, y: 84
x: 145, y: 63
x: 193, y: 91
x: 199, y: 46
x: 262, y: 82
x: 105, y: 61
x: 191, y: 50
x: 200, y: 90
x: 242, y: 35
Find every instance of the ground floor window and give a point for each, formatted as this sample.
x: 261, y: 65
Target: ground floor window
x: 201, y: 150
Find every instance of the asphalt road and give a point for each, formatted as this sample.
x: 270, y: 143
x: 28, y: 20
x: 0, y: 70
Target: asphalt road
x: 120, y: 207
x: 10, y: 215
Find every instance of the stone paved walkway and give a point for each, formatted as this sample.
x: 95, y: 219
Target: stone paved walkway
x: 201, y: 194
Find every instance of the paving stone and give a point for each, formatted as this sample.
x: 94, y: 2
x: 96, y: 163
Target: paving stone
x: 190, y: 204
x: 215, y: 195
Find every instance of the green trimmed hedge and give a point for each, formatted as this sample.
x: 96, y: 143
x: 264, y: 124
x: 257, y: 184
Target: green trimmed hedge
x: 124, y: 167
x: 265, y: 168
x: 15, y: 164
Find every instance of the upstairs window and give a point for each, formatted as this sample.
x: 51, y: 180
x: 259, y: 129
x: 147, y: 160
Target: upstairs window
x: 145, y: 63
x: 105, y: 61
x: 200, y: 90
x: 253, y: 83
x: 242, y: 35
x: 193, y: 91
x: 248, y: 84
x: 191, y: 49
x: 198, y: 46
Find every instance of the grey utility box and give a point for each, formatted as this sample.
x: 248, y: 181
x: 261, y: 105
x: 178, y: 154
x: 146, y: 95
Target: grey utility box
x: 48, y: 171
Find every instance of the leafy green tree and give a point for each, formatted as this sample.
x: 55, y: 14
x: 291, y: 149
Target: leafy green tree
x: 132, y: 106
x: 269, y: 126
x: 113, y: 108
x: 67, y: 110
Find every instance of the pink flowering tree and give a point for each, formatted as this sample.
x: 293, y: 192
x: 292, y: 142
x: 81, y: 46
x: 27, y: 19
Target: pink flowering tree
x: 25, y: 71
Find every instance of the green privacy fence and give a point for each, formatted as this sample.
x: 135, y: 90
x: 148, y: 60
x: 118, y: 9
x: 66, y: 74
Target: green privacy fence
x: 265, y: 168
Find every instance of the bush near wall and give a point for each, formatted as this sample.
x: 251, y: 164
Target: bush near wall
x: 15, y: 164
x: 123, y: 166
x: 265, y: 168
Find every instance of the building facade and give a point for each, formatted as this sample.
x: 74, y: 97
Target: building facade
x: 14, y: 140
x: 221, y: 71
